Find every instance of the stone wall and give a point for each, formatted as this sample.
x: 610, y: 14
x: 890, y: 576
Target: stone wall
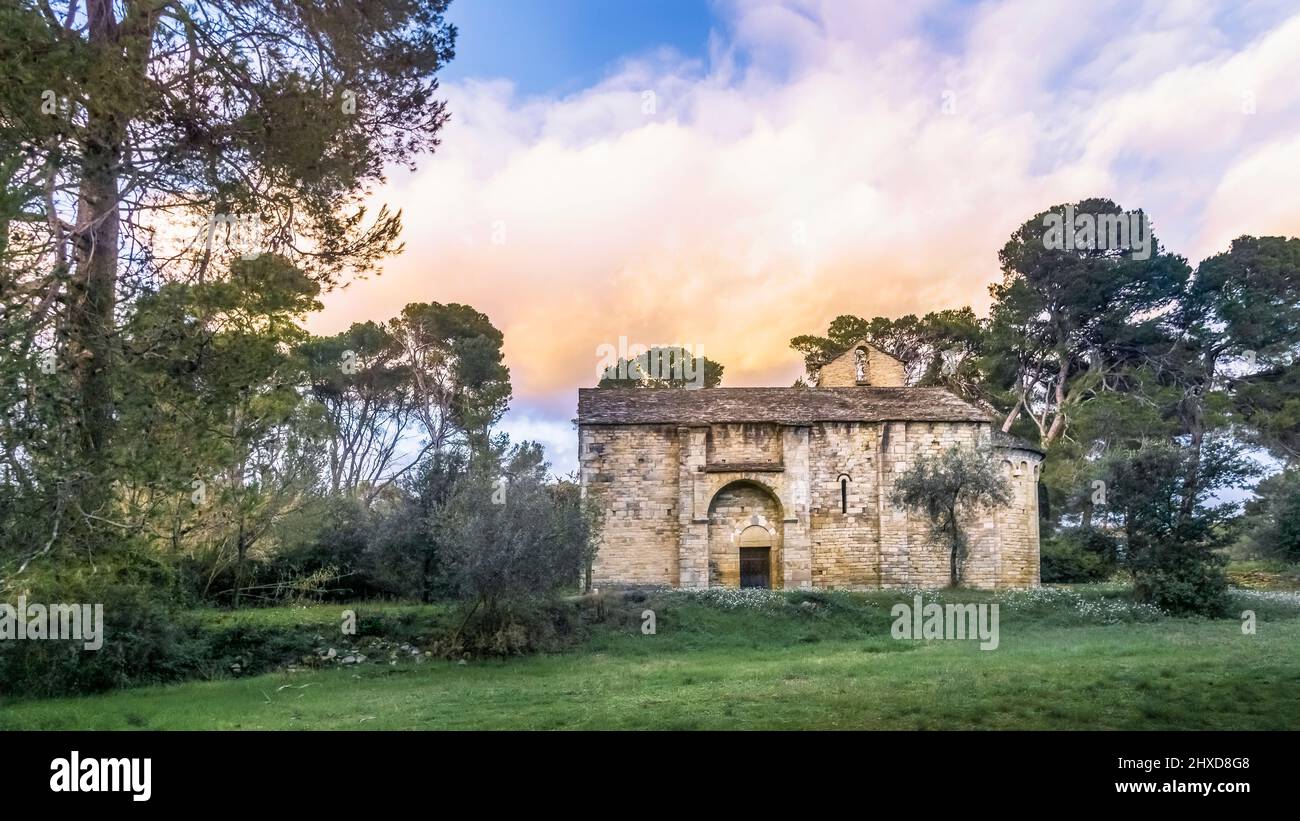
x: 882, y: 371
x: 736, y: 507
x: 633, y: 472
x: 845, y: 538
x: 743, y: 443
x: 675, y: 498
x: 1002, y: 543
x: 1018, y: 522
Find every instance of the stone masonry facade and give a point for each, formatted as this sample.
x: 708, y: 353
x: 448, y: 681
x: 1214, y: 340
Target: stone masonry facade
x: 689, y: 480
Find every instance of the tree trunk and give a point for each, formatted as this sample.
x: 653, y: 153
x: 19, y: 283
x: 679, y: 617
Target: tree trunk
x: 1194, y: 420
x: 1058, y: 421
x: 93, y: 290
x: 955, y: 539
x: 241, y: 548
x: 426, y: 572
x: 1010, y: 421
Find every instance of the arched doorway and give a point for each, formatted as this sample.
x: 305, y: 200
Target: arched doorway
x: 745, y: 536
x: 755, y: 557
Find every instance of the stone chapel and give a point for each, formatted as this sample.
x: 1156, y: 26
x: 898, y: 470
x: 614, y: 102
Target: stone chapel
x: 791, y: 487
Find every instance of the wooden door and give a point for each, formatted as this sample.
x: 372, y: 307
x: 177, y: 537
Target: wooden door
x: 756, y: 567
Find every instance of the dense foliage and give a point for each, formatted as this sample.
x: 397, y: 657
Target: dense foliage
x: 179, y: 183
x: 1148, y: 383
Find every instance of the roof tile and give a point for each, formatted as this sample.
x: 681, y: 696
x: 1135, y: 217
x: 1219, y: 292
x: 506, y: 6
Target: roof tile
x: 791, y: 406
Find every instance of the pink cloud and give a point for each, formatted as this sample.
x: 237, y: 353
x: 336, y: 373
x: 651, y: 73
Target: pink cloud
x: 828, y: 178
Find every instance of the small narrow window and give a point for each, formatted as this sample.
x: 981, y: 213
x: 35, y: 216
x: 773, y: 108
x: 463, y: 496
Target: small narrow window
x: 844, y: 495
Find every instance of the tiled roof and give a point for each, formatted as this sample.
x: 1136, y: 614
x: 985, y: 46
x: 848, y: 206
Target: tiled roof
x: 667, y: 406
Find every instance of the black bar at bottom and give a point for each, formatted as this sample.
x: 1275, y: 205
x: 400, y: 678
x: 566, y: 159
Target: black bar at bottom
x: 639, y: 772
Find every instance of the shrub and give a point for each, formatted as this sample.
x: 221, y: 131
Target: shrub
x: 404, y: 552
x: 141, y: 639
x: 1184, y: 584
x: 1084, y: 555
x: 518, y: 627
x: 1172, y: 528
x: 516, y: 537
x: 324, y: 559
x: 1272, y: 520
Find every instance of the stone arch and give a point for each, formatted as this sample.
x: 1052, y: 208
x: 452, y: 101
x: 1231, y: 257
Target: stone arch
x: 735, y: 509
x: 755, y: 536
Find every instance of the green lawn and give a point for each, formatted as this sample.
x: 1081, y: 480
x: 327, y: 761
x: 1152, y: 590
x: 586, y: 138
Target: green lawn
x: 1067, y: 660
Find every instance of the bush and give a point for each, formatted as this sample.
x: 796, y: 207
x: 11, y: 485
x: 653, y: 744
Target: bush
x: 1173, y: 529
x: 1084, y: 555
x: 519, y: 627
x: 516, y: 537
x: 1272, y: 521
x: 1185, y: 587
x: 322, y: 555
x: 141, y: 639
x: 404, y: 551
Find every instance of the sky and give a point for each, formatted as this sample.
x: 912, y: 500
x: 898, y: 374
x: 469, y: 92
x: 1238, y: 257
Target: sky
x: 727, y: 175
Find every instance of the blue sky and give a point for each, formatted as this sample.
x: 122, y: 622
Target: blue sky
x: 557, y: 47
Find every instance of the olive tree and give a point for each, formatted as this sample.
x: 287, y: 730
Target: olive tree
x: 509, y: 536
x: 944, y: 486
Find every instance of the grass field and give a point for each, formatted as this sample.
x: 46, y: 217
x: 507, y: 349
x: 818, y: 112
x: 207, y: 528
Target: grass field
x: 1067, y: 659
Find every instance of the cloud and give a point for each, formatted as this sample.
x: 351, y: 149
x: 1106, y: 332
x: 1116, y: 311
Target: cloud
x: 1262, y: 184
x: 830, y: 158
x: 559, y: 438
